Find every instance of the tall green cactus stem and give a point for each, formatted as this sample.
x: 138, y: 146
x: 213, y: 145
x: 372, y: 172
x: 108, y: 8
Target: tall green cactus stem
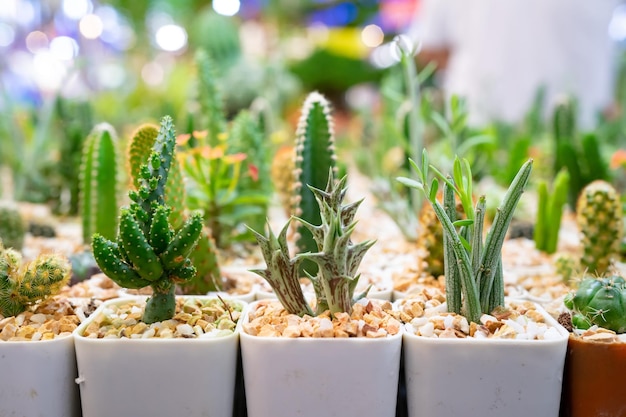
x: 99, y: 183
x: 550, y: 211
x: 23, y: 285
x: 599, y: 301
x: 12, y: 227
x: 478, y: 263
x: 599, y: 218
x: 148, y: 251
x: 315, y: 156
x: 212, y: 115
x: 564, y: 129
x: 339, y: 258
x: 139, y: 148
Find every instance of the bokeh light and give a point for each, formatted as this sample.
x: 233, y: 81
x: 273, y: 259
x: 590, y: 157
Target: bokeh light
x: 226, y: 7
x: 91, y: 26
x: 372, y: 36
x: 171, y: 38
x: 48, y: 71
x: 36, y: 41
x: 617, y: 26
x: 64, y: 48
x: 76, y: 9
x: 152, y: 73
x: 7, y: 35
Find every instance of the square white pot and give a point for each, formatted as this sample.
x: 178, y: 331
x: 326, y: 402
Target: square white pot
x: 312, y: 377
x: 156, y: 377
x: 484, y: 377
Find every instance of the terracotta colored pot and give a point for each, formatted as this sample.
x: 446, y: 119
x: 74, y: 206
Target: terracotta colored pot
x: 593, y: 384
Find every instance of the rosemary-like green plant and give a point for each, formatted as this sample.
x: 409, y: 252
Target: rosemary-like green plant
x: 473, y: 268
x: 337, y: 257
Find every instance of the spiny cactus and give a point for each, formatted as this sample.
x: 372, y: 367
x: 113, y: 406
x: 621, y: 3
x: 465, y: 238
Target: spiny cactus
x: 473, y: 268
x: 12, y: 227
x: 567, y: 266
x: 212, y: 117
x: 22, y: 285
x: 148, y: 251
x: 315, y: 158
x: 338, y: 258
x: 99, y: 183
x: 431, y: 240
x: 282, y: 173
x: 599, y: 218
x: 550, y: 211
x: 599, y: 301
x: 564, y: 129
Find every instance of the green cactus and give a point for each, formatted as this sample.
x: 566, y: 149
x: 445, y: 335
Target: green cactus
x: 315, y: 158
x: 599, y: 301
x: 599, y: 218
x: 148, y: 251
x: 473, y: 268
x: 338, y: 258
x: 212, y: 116
x: 564, y: 129
x: 12, y: 227
x: 567, y: 266
x: 99, y: 183
x: 204, y: 258
x: 23, y: 285
x: 550, y: 211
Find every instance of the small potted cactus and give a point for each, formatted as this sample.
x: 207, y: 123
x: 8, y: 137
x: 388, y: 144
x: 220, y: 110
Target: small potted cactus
x: 128, y: 336
x: 291, y: 345
x: 473, y: 352
x: 36, y: 343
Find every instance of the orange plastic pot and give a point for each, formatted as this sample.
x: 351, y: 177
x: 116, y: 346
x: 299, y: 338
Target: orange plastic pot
x: 593, y: 384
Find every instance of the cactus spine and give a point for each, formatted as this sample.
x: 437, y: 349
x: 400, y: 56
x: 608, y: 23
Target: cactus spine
x: 475, y: 269
x: 599, y: 218
x: 12, y: 228
x: 550, y: 211
x: 599, y: 301
x: 315, y: 158
x: 98, y: 181
x: 148, y: 251
x: 22, y: 285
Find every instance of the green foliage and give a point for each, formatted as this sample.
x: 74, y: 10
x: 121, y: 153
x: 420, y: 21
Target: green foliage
x: 148, y: 251
x: 212, y: 116
x: 337, y: 257
x: 24, y: 284
x: 12, y: 227
x: 99, y: 183
x: 549, y: 212
x: 599, y: 301
x: 473, y: 268
x: 599, y: 217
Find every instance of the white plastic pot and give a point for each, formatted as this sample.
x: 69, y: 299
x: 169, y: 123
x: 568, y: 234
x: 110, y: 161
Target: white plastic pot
x: 484, y: 377
x: 37, y: 379
x: 312, y: 377
x: 156, y: 377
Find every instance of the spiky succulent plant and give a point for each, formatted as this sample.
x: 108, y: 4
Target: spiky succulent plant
x: 599, y: 301
x: 337, y: 258
x: 473, y: 268
x: 148, y: 250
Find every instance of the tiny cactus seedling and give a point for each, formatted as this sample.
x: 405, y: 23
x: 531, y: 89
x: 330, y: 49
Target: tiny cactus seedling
x: 148, y: 250
x: 98, y: 183
x: 599, y: 301
x: 473, y: 268
x: 599, y: 218
x: 338, y: 258
x: 12, y: 227
x: 23, y: 285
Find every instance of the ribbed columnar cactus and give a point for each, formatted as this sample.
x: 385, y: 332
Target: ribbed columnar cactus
x: 431, y: 240
x: 550, y: 211
x: 338, y: 258
x: 212, y: 117
x: 99, y: 183
x: 282, y: 173
x: 22, y: 285
x: 599, y: 301
x: 473, y: 267
x: 599, y: 218
x: 315, y: 156
x: 148, y: 251
x: 12, y: 227
x: 564, y: 129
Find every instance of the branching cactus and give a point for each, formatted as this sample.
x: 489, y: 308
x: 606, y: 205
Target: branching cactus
x: 550, y: 211
x: 315, y: 158
x: 338, y: 258
x: 23, y: 285
x: 12, y: 227
x: 98, y: 183
x: 599, y: 218
x: 473, y: 268
x: 148, y: 251
x: 599, y: 301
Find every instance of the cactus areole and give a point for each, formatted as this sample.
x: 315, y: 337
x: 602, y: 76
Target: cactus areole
x: 148, y: 251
